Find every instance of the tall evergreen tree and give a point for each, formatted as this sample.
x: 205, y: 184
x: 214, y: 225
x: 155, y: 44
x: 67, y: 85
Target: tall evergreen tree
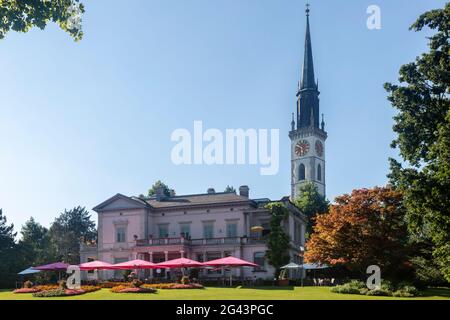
x: 156, y: 185
x: 36, y: 243
x: 8, y: 248
x: 422, y: 126
x: 67, y: 231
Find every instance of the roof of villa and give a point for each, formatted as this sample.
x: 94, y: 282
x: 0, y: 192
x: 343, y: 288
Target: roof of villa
x: 198, y: 199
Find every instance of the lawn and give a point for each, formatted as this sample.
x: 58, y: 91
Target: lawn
x: 210, y: 293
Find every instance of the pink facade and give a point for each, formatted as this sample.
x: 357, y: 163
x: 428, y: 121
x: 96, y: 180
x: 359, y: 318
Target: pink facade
x: 200, y: 227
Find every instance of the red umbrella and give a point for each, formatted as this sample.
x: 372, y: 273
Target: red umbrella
x: 95, y: 265
x: 179, y: 263
x: 57, y: 266
x: 134, y: 264
x: 230, y: 262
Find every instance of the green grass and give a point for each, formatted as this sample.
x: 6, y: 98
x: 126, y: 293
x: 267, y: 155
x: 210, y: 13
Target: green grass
x: 210, y: 293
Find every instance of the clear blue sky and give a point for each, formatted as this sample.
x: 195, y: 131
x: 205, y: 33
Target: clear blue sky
x: 80, y: 122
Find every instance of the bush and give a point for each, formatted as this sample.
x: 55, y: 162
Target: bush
x: 28, y: 284
x: 352, y: 287
x: 136, y: 283
x: 62, y: 284
x: 378, y: 292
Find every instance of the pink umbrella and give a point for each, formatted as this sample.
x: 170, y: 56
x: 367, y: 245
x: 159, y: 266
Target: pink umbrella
x: 179, y: 263
x: 57, y: 266
x: 96, y: 265
x: 133, y: 264
x: 230, y: 262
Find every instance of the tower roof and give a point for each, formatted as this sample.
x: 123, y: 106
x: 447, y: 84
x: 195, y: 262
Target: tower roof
x: 308, y: 80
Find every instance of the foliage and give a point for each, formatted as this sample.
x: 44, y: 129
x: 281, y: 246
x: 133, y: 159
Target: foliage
x: 28, y: 284
x: 9, y: 253
x: 311, y: 202
x: 352, y: 287
x: 136, y: 283
x: 57, y: 293
x: 88, y: 289
x: 136, y: 290
x: 364, y: 228
x: 422, y: 126
x: 22, y: 15
x: 174, y: 286
x: 156, y: 185
x: 278, y: 243
x: 68, y: 230
x: 386, y: 289
x: 230, y: 189
x: 184, y: 280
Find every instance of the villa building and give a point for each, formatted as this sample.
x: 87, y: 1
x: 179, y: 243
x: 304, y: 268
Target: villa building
x: 213, y: 225
x: 200, y: 226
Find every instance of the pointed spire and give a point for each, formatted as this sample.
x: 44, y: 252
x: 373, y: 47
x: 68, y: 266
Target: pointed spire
x: 293, y: 122
x: 308, y: 81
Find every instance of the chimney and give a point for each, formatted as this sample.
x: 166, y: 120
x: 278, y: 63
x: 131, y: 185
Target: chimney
x: 160, y: 193
x: 211, y: 191
x: 244, y: 191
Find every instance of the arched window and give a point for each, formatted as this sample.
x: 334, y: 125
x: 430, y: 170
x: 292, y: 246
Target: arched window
x: 319, y: 172
x: 301, y: 172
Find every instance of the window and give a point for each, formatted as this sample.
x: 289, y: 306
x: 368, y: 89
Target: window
x: 163, y: 230
x: 208, y: 230
x: 302, y: 172
x: 232, y: 229
x: 259, y: 259
x: 319, y: 172
x: 185, y: 229
x: 120, y: 234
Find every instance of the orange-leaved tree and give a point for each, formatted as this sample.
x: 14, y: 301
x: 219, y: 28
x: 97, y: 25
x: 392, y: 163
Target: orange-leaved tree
x: 366, y: 227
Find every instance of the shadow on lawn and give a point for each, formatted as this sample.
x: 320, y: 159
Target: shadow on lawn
x: 440, y: 292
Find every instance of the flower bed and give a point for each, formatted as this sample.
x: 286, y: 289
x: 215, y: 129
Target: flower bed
x: 46, y: 287
x: 26, y: 290
x: 88, y: 289
x: 174, y: 286
x: 112, y: 284
x: 137, y: 290
x: 58, y: 293
x: 387, y: 289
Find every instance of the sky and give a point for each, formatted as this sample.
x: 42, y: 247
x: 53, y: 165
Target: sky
x: 80, y: 122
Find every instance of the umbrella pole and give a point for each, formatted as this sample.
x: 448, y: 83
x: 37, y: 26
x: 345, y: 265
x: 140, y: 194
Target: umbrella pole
x: 301, y: 276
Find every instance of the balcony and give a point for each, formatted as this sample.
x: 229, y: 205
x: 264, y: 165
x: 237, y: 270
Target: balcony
x: 199, y: 242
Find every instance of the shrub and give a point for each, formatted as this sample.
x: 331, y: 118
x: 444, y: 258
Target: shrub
x: 136, y: 283
x: 185, y: 280
x: 378, y: 292
x: 386, y: 285
x: 173, y: 286
x: 352, y: 287
x: 28, y: 284
x: 62, y: 284
x: 406, y: 290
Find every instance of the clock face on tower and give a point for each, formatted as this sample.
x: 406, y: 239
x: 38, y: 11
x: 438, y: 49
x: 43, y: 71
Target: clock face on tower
x: 302, y: 148
x: 319, y: 148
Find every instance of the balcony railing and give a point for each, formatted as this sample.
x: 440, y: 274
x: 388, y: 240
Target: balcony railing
x: 199, y: 242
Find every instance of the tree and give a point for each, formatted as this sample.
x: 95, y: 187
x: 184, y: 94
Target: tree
x: 22, y: 15
x: 67, y: 231
x: 7, y: 253
x: 159, y: 184
x: 278, y: 243
x: 364, y: 228
x: 311, y: 202
x: 35, y: 242
x: 422, y: 126
x: 230, y: 189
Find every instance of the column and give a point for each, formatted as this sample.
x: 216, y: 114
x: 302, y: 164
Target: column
x: 182, y: 253
x: 150, y: 255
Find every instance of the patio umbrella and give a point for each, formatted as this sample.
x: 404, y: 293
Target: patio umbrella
x: 293, y: 265
x: 314, y: 266
x: 95, y: 265
x: 57, y: 266
x: 30, y: 270
x: 133, y: 264
x: 230, y: 262
x: 179, y: 263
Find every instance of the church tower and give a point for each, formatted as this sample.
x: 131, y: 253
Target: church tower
x: 307, y: 131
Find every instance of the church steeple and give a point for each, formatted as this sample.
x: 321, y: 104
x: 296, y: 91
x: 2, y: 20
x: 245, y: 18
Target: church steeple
x: 308, y: 93
x: 308, y: 80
